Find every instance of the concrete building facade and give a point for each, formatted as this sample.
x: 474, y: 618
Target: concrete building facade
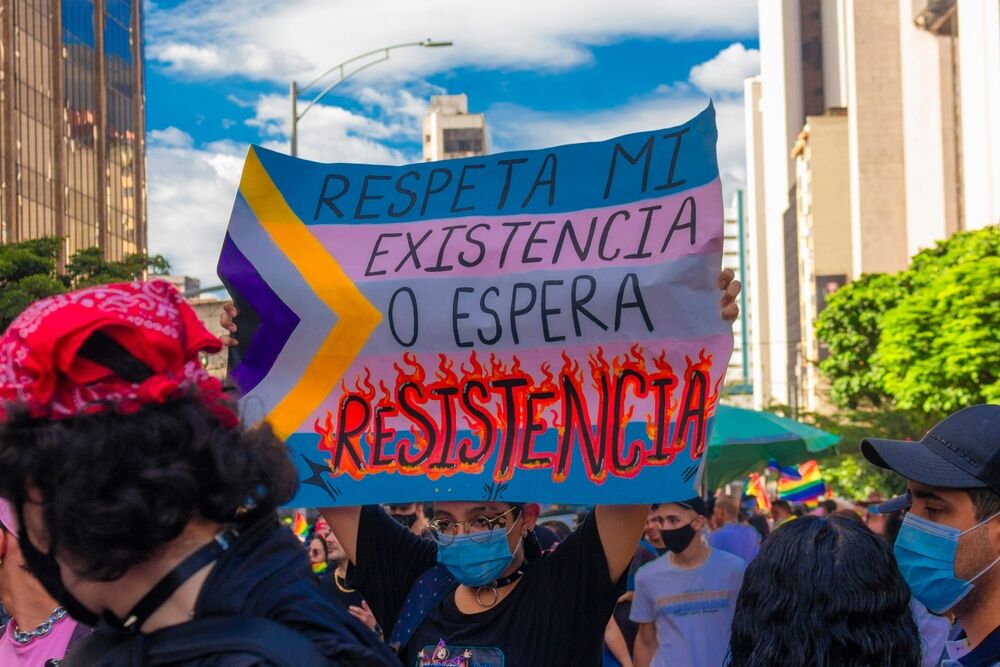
x: 72, y: 128
x: 735, y: 255
x: 822, y: 179
x: 450, y: 131
x: 756, y: 249
x: 895, y: 108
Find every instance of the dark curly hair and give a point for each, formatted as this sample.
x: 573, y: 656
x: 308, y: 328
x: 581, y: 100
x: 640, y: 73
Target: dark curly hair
x: 115, y: 487
x: 824, y: 592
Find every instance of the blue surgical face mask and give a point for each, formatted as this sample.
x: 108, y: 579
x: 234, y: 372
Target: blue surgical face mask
x: 476, y: 563
x: 925, y: 551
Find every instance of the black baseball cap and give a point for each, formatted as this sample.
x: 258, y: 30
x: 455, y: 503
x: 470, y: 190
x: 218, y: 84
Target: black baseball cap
x: 697, y: 504
x: 961, y: 452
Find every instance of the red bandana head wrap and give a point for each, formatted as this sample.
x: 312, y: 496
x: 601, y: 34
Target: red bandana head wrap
x: 50, y: 356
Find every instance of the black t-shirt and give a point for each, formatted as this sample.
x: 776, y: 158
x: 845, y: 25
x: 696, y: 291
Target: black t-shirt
x: 555, y: 616
x: 986, y: 654
x: 340, y: 589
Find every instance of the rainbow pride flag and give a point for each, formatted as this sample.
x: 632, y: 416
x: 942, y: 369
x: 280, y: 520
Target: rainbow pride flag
x: 810, y: 487
x: 299, y: 526
x: 756, y: 489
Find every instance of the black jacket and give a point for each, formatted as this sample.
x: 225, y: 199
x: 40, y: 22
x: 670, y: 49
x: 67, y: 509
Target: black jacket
x: 265, y: 574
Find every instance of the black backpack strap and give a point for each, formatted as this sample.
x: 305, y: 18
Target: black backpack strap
x: 264, y: 639
x: 430, y: 588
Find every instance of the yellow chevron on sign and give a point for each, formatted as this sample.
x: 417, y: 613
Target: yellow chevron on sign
x: 357, y: 318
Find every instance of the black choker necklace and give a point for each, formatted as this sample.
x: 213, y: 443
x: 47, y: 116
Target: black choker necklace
x: 494, y: 587
x: 505, y: 581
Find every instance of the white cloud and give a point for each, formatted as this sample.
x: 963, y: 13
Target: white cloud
x: 724, y: 74
x: 247, y: 60
x: 190, y: 196
x: 330, y: 134
x: 171, y: 137
x: 279, y: 40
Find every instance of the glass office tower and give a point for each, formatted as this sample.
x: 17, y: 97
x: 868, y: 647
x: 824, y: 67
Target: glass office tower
x: 72, y: 134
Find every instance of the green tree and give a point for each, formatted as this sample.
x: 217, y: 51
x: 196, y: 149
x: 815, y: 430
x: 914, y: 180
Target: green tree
x: 940, y: 346
x: 908, y: 348
x: 850, y: 325
x: 29, y: 271
x: 924, y: 340
x: 88, y: 267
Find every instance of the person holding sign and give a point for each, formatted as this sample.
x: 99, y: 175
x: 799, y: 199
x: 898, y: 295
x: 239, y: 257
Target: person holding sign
x: 487, y: 334
x: 480, y: 593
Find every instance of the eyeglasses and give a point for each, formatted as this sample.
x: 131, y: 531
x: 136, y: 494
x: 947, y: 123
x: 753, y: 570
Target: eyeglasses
x: 479, y: 528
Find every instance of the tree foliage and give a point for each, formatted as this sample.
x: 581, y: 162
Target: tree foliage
x: 29, y: 271
x: 925, y: 340
x: 850, y: 325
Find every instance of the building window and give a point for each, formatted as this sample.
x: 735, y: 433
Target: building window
x: 463, y: 140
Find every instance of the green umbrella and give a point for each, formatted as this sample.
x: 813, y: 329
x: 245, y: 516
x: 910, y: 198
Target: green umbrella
x: 743, y: 441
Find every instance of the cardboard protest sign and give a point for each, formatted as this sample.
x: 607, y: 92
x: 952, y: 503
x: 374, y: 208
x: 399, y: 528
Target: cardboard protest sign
x: 530, y: 326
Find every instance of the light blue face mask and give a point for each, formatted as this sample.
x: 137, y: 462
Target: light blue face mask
x: 925, y: 551
x: 476, y: 563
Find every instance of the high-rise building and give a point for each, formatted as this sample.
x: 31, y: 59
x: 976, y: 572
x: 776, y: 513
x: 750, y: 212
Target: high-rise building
x: 822, y: 176
x: 72, y: 159
x: 735, y: 256
x: 450, y: 131
x: 872, y: 132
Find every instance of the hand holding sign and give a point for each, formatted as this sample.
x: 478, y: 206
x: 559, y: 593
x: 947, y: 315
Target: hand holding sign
x: 530, y: 325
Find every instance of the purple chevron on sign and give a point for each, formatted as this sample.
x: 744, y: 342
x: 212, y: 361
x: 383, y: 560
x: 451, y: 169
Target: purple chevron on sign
x: 275, y: 320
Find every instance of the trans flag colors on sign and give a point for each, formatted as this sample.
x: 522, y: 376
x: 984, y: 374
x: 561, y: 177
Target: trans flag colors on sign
x: 540, y: 325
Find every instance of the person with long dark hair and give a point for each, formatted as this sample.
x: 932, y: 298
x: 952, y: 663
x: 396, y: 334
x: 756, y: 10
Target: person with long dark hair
x: 824, y: 592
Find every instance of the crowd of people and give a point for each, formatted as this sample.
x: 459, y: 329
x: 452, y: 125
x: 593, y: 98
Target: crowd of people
x: 140, y: 527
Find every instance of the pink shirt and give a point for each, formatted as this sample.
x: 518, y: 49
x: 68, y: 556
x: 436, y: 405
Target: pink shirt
x: 40, y: 649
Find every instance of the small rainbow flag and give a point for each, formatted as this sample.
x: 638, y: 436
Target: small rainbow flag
x: 756, y: 489
x: 810, y: 487
x: 299, y: 525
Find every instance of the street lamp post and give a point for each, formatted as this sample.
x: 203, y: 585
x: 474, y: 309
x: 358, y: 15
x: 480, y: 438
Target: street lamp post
x: 344, y: 73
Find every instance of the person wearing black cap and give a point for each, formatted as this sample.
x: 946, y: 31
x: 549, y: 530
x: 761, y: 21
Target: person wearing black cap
x: 685, y: 599
x: 948, y: 547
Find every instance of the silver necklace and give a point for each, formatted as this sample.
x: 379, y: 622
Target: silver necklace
x: 42, y: 630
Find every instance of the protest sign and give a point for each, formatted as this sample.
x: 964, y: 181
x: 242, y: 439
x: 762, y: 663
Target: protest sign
x: 529, y: 326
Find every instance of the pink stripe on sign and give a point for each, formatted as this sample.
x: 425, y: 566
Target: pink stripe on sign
x: 635, y: 234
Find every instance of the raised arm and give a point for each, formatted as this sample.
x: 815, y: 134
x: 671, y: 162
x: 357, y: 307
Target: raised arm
x: 344, y: 522
x: 620, y: 527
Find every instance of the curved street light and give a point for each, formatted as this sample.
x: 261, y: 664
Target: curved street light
x: 344, y: 73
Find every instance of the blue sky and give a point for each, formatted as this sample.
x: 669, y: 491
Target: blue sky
x: 548, y: 73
